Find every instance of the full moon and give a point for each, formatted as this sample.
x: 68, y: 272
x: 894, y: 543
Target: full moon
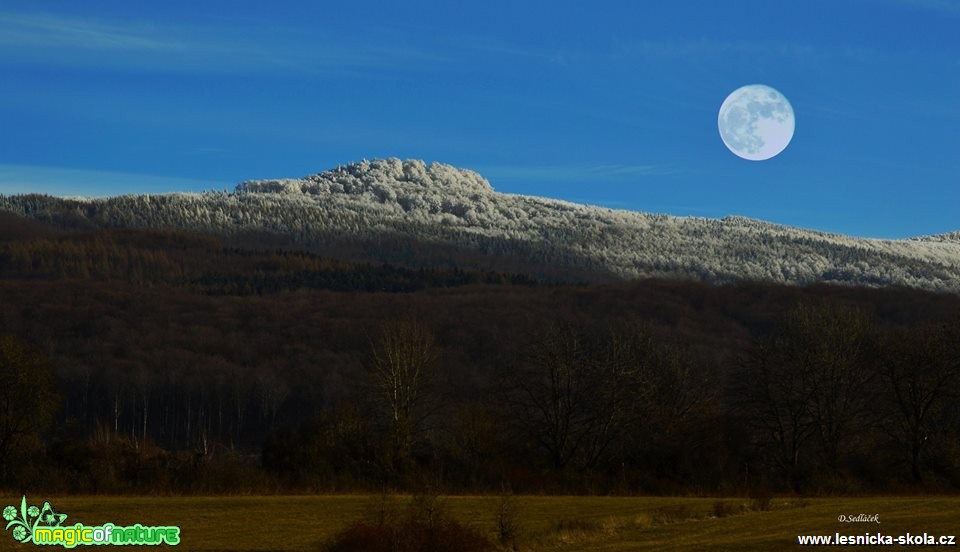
x: 756, y: 122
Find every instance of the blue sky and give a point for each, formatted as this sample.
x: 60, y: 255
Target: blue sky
x: 611, y: 103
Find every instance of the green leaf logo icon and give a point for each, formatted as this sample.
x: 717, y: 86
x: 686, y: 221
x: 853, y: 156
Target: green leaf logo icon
x: 26, y: 520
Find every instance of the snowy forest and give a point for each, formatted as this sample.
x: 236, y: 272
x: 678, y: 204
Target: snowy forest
x: 413, y: 214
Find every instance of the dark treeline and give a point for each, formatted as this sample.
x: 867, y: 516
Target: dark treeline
x: 165, y: 362
x: 204, y: 264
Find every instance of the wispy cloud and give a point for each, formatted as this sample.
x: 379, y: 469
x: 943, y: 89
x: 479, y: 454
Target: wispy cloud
x: 69, y: 40
x: 22, y: 179
x: 574, y: 173
x: 752, y: 49
x: 499, y: 47
x: 70, y: 32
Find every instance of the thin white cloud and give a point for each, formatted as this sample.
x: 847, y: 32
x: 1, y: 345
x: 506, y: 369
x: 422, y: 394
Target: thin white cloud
x: 499, y: 47
x: 712, y: 48
x: 25, y: 179
x: 55, y: 31
x: 77, y: 41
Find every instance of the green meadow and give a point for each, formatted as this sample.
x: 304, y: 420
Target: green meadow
x: 549, y: 523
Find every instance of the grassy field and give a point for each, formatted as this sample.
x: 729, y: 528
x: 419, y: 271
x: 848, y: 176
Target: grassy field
x: 547, y: 523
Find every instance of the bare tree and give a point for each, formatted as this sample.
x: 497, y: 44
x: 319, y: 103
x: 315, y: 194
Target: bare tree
x: 402, y: 370
x: 680, y: 393
x: 575, y: 394
x: 809, y: 383
x: 144, y: 383
x: 549, y: 393
x: 623, y: 367
x: 836, y: 345
x: 777, y: 404
x: 272, y: 392
x: 920, y: 369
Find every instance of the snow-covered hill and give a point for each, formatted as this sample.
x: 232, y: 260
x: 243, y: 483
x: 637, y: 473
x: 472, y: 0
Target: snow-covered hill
x: 443, y: 206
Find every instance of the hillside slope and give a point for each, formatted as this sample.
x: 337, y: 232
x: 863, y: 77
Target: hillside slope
x: 439, y: 215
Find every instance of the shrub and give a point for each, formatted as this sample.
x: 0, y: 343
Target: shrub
x: 508, y: 523
x: 424, y: 528
x: 760, y: 500
x: 724, y: 509
x: 409, y: 536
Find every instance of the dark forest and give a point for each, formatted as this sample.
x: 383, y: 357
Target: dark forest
x: 138, y: 361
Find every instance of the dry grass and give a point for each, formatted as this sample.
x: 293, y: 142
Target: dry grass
x: 548, y: 523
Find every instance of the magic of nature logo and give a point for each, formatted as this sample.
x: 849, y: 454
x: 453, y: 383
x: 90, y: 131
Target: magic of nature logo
x: 44, y: 526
